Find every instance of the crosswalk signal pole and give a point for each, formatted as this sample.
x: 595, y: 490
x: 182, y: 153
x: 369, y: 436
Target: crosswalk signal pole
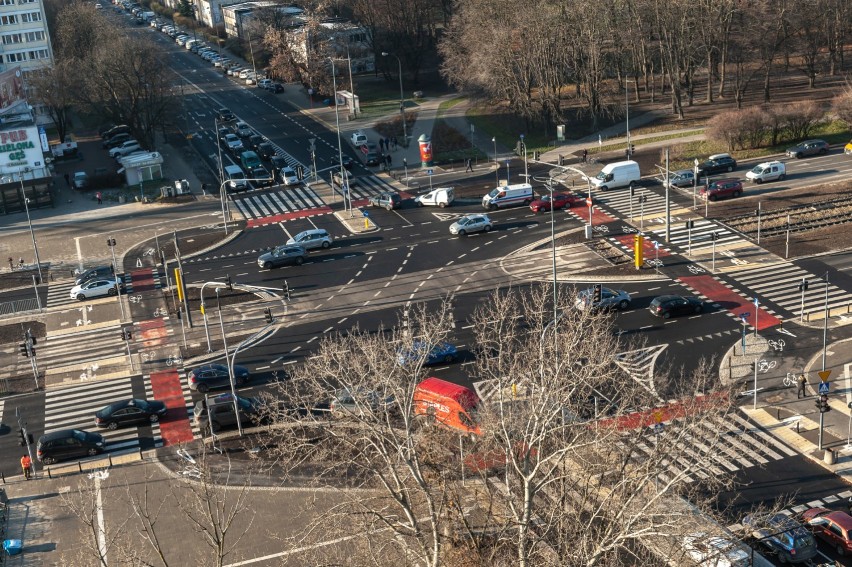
x: 714, y: 236
x: 668, y: 203
x: 757, y: 212
x: 803, y: 287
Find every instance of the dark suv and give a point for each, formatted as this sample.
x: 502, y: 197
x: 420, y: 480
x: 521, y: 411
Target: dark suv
x: 387, y: 200
x: 808, y: 148
x: 784, y: 536
x: 210, y: 376
x: 265, y: 150
x: 68, y: 444
x: 98, y: 272
x: 225, y: 115
x: 719, y: 163
x: 722, y: 188
x: 217, y: 413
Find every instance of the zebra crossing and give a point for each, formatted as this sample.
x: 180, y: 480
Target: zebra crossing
x: 620, y: 201
x: 699, y: 238
x: 731, y: 442
x: 367, y: 186
x: 838, y: 501
x: 58, y: 294
x: 74, y: 408
x: 255, y: 205
x: 102, y: 345
x: 779, y: 284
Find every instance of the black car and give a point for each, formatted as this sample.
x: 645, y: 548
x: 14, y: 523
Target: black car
x: 255, y: 140
x: 94, y: 273
x: 210, y: 376
x: 386, y: 200
x: 225, y: 115
x: 130, y: 412
x: 116, y: 140
x: 265, y: 150
x: 275, y: 88
x: 278, y: 162
x: 114, y: 131
x: 283, y: 255
x: 68, y: 444
x: 719, y: 163
x: 348, y: 163
x: 260, y: 176
x: 222, y: 132
x: 217, y: 413
x: 667, y: 306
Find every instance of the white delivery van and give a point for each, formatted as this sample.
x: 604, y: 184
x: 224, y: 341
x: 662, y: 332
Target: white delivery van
x: 618, y: 174
x: 767, y: 171
x: 440, y: 197
x: 235, y: 174
x: 508, y: 196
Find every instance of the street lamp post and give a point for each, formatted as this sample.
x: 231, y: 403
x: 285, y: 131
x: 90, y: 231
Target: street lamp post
x: 401, y: 99
x: 29, y: 221
x: 344, y: 180
x: 497, y: 163
x: 526, y: 171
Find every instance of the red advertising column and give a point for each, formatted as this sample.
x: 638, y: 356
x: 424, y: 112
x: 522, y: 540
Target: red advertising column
x: 425, y: 150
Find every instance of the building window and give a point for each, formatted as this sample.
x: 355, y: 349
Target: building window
x: 7, y: 2
x: 38, y: 54
x: 11, y: 38
x: 31, y: 17
x: 9, y: 20
x: 34, y: 36
x: 27, y: 1
x: 16, y: 57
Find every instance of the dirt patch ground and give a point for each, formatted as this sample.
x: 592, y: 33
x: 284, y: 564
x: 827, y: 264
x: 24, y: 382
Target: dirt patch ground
x: 14, y: 333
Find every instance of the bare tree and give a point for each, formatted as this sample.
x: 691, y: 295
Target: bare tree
x: 842, y: 106
x: 54, y: 88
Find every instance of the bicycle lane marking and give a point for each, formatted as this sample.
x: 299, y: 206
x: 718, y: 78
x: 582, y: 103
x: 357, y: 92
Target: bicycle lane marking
x: 736, y: 305
x: 581, y: 212
x: 174, y: 426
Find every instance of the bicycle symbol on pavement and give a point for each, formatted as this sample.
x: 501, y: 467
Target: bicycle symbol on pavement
x: 147, y: 356
x: 161, y: 312
x: 695, y: 269
x: 654, y: 262
x: 764, y: 366
x: 790, y: 379
x: 174, y: 360
x: 135, y: 299
x: 148, y: 252
x: 777, y: 345
x: 628, y: 229
x: 601, y: 228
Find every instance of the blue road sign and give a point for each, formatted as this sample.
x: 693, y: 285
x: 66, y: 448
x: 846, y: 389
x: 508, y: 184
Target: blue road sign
x: 365, y: 212
x: 656, y: 245
x: 745, y: 315
x: 824, y: 387
x: 658, y: 428
x: 428, y: 172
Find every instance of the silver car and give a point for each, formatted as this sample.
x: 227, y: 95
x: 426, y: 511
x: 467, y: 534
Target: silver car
x: 313, y: 238
x: 471, y: 223
x: 681, y: 178
x: 609, y: 299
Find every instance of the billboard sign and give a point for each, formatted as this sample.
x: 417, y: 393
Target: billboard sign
x: 12, y: 98
x: 20, y: 148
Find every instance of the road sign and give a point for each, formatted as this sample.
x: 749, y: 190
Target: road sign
x: 824, y: 374
x: 428, y: 172
x: 588, y: 201
x: 656, y: 245
x: 745, y: 315
x: 658, y: 428
x: 824, y: 387
x: 365, y: 212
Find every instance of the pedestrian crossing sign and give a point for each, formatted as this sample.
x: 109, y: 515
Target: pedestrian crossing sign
x: 824, y: 387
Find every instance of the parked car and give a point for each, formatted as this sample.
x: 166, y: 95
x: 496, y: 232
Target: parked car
x: 808, y: 148
x: 98, y: 287
x: 666, y: 306
x: 718, y: 163
x: 275, y: 88
x: 722, y: 188
x: 114, y: 131
x: 80, y: 180
x: 265, y: 150
x: 281, y: 256
x: 443, y: 352
x: 260, y: 176
x: 68, y: 444
x: 116, y: 140
x: 358, y: 138
x: 680, y: 178
x: 130, y: 412
x: 288, y: 176
x: 98, y: 272
x: 312, y: 238
x: 559, y: 201
x: 264, y: 83
x: 209, y: 376
x: 609, y: 299
x: 386, y: 200
x: 833, y: 527
x: 715, y: 551
x: 233, y: 142
x: 225, y: 115
x: 471, y: 223
x: 222, y: 133
x: 124, y: 149
x: 784, y: 536
x: 357, y: 402
x: 217, y: 413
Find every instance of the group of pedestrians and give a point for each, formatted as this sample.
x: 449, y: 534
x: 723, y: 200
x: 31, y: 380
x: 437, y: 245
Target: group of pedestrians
x: 386, y: 144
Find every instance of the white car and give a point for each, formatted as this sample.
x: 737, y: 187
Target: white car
x: 288, y: 176
x: 359, y: 139
x: 471, y: 223
x: 714, y: 551
x: 98, y: 287
x: 124, y: 149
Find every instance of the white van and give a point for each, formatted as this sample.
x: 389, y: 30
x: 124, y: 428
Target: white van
x: 440, y: 197
x: 235, y: 174
x: 508, y: 196
x: 767, y: 171
x: 618, y: 174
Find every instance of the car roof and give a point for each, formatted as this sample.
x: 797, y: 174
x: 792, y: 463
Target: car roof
x: 61, y: 434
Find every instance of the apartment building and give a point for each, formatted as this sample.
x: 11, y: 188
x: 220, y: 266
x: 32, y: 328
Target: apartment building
x: 24, y: 38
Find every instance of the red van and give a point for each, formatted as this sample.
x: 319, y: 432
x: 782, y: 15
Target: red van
x: 450, y: 404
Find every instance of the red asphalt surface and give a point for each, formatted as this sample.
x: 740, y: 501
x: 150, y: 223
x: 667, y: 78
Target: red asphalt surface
x: 717, y: 292
x: 647, y: 246
x: 142, y: 280
x: 666, y: 413
x: 251, y: 223
x: 598, y: 217
x: 174, y: 426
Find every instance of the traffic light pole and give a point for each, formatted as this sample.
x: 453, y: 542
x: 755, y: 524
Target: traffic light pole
x: 25, y: 441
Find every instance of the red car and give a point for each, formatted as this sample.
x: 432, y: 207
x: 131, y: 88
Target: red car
x: 560, y: 201
x: 722, y: 188
x: 833, y: 527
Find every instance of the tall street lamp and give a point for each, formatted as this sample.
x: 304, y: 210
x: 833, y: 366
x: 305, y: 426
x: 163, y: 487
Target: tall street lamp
x: 29, y: 221
x: 344, y: 180
x: 497, y: 163
x: 526, y: 171
x: 401, y: 98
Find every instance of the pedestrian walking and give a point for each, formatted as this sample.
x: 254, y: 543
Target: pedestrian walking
x: 393, y: 141
x: 26, y: 466
x: 387, y: 144
x: 382, y: 145
x: 585, y: 155
x: 20, y: 263
x: 388, y: 160
x: 98, y: 197
x: 469, y: 165
x: 803, y: 382
x: 11, y: 263
x: 67, y: 180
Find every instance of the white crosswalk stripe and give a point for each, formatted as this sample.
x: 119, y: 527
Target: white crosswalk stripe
x: 64, y: 350
x: 366, y: 186
x: 58, y: 293
x: 75, y: 407
x: 779, y: 284
x: 700, y: 237
x: 619, y: 200
x: 254, y: 205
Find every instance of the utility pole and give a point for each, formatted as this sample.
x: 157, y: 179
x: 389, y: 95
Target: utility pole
x: 180, y: 283
x: 668, y: 202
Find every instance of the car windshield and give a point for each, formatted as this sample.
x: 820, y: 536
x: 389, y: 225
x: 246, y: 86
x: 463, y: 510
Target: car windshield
x: 602, y: 175
x: 81, y: 435
x: 244, y: 403
x: 545, y: 197
x: 494, y: 192
x: 757, y: 169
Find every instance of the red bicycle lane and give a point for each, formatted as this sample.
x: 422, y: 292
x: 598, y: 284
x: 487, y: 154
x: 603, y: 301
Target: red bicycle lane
x: 154, y: 339
x: 717, y: 292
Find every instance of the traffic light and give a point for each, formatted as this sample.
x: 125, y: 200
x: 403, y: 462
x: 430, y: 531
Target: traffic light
x: 632, y: 148
x: 627, y: 152
x: 822, y: 403
x: 24, y: 350
x: 596, y: 293
x: 536, y: 155
x: 267, y: 314
x: 126, y: 334
x: 110, y: 242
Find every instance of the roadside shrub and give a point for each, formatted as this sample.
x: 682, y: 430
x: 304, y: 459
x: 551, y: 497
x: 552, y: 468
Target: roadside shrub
x: 842, y: 106
x: 734, y: 128
x: 800, y: 118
